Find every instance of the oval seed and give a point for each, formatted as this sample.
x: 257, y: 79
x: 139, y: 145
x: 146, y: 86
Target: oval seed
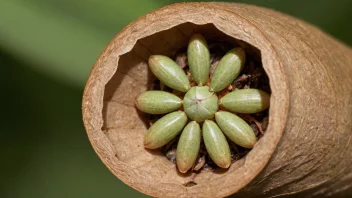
x: 165, y: 129
x: 246, y: 101
x: 198, y: 59
x: 216, y: 144
x: 169, y: 73
x: 236, y: 129
x: 158, y: 102
x: 228, y: 68
x: 188, y: 147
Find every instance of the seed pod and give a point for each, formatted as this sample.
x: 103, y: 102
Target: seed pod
x: 236, y: 129
x: 227, y: 69
x: 199, y: 59
x: 158, y: 102
x: 165, y: 129
x: 216, y: 144
x: 169, y: 73
x: 188, y: 147
x: 246, y: 101
x: 200, y: 104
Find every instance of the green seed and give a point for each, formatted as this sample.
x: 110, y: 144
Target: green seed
x: 198, y: 59
x: 216, y: 144
x: 200, y: 104
x: 236, y: 129
x: 165, y: 129
x: 228, y: 68
x: 188, y: 147
x: 246, y: 101
x: 158, y: 102
x: 169, y: 73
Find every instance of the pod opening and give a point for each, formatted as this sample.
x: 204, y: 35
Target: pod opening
x: 125, y: 125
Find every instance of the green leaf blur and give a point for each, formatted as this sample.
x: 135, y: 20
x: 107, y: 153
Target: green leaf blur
x: 47, y: 48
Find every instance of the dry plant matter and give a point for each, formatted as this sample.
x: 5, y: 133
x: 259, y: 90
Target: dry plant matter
x: 306, y: 150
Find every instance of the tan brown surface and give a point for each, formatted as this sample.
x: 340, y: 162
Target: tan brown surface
x: 307, y: 148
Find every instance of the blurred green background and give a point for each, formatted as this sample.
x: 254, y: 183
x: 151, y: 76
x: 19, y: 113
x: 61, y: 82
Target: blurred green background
x: 47, y: 48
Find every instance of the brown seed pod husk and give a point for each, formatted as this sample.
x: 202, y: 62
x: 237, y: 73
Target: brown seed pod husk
x: 306, y: 150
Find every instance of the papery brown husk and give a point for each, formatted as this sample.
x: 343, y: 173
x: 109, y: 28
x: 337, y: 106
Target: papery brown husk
x: 307, y: 149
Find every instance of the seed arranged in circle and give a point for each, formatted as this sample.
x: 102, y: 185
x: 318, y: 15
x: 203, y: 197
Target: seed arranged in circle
x: 216, y: 144
x: 190, y: 99
x: 236, y: 129
x: 169, y: 72
x: 246, y: 101
x: 158, y: 102
x: 199, y: 59
x: 165, y: 129
x: 188, y: 146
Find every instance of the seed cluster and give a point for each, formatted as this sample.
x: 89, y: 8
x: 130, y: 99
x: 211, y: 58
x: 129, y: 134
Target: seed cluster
x: 200, y: 105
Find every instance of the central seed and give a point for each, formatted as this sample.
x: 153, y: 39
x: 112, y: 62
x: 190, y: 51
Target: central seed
x: 200, y: 104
